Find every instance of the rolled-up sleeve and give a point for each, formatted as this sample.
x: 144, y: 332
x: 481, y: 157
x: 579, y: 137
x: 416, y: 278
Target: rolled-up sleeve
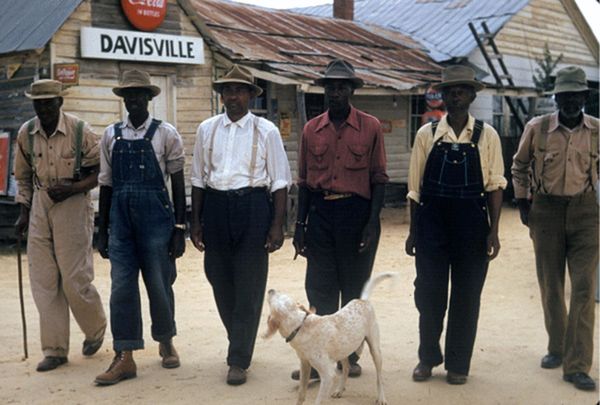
x: 90, y: 147
x: 521, y: 166
x: 23, y: 170
x: 495, y: 163
x: 416, y: 167
x: 105, y: 175
x: 174, y: 151
x: 378, y: 173
x: 198, y: 159
x: 278, y: 167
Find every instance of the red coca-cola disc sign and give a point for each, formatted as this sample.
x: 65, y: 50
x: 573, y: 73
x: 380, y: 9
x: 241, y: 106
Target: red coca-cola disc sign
x: 145, y: 15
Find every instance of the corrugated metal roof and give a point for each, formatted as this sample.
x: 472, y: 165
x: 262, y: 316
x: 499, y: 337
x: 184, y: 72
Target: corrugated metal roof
x: 299, y: 46
x: 439, y: 25
x: 29, y: 24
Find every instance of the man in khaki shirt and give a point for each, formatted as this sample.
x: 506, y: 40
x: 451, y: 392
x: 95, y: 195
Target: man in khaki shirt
x: 53, y: 183
x: 555, y: 172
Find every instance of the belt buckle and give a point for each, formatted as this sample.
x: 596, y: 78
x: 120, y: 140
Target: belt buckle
x: 335, y: 196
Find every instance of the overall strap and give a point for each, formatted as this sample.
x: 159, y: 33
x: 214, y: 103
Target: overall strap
x: 254, y: 150
x: 78, y: 141
x: 539, y: 142
x: 152, y: 129
x: 30, y: 127
x: 477, y: 130
x: 118, y: 132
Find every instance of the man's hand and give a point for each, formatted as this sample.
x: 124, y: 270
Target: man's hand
x: 102, y: 243
x: 299, y: 240
x: 197, y: 237
x: 177, y: 243
x: 409, y: 246
x: 493, y: 245
x: 22, y: 223
x: 274, y: 238
x: 524, y: 207
x: 61, y: 192
x: 369, y: 234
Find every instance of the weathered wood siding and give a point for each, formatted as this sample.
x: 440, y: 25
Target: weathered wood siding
x: 94, y: 101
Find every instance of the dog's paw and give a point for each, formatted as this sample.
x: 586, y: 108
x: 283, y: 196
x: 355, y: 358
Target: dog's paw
x: 337, y: 393
x: 381, y: 402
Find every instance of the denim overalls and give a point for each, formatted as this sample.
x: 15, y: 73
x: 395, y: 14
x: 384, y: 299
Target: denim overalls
x: 452, y: 227
x: 141, y: 225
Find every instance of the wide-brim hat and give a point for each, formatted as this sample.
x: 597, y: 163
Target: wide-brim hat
x: 570, y: 79
x: 339, y: 69
x: 456, y: 75
x: 135, y: 79
x: 237, y: 74
x: 45, y: 88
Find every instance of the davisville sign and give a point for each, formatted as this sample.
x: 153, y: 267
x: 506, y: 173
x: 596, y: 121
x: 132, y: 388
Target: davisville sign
x: 102, y: 43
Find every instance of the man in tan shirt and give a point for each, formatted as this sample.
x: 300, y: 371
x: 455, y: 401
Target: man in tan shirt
x: 53, y: 181
x: 555, y: 172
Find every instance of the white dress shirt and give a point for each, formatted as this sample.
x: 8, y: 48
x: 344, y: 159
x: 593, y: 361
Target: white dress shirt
x: 166, y: 142
x: 232, y: 155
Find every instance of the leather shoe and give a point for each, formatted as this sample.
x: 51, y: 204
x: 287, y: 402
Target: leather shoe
x: 581, y: 381
x: 90, y: 347
x: 121, y: 368
x: 170, y: 358
x: 551, y: 361
x: 236, y: 375
x: 50, y: 363
x: 455, y: 378
x: 422, y: 372
x: 314, y: 374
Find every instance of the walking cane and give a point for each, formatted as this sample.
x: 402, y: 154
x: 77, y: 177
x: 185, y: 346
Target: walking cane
x: 20, y: 268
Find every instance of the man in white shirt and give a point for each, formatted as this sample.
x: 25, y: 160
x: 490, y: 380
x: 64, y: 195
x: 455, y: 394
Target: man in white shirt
x: 240, y: 179
x: 146, y: 229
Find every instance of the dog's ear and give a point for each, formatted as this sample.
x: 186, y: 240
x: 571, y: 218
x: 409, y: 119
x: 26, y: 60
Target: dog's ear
x: 272, y: 327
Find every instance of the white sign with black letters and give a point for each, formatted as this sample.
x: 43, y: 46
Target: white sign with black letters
x: 102, y: 43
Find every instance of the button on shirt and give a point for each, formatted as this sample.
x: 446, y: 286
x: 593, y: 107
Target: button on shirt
x: 567, y: 166
x: 227, y: 165
x: 348, y: 160
x: 54, y: 155
x: 166, y: 142
x: 490, y: 154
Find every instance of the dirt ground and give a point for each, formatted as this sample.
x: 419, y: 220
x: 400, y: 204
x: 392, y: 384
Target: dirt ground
x: 505, y: 367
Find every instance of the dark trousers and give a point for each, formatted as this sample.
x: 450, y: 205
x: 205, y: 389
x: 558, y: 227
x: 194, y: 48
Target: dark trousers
x: 236, y: 264
x: 565, y: 232
x: 335, y: 269
x: 451, y: 246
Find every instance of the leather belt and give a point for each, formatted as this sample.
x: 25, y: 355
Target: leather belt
x: 240, y: 192
x: 330, y: 195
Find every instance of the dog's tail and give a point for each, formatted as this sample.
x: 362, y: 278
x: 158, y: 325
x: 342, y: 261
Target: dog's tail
x: 372, y: 282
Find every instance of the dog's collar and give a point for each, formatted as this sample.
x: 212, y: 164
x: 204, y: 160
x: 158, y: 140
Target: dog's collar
x: 295, y: 332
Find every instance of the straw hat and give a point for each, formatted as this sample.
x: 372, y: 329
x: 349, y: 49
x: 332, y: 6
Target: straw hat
x: 45, y: 88
x: 340, y: 69
x: 457, y: 75
x: 135, y: 79
x: 570, y: 79
x: 237, y: 74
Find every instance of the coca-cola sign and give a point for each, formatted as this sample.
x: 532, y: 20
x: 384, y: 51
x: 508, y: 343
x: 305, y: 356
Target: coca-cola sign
x: 145, y: 15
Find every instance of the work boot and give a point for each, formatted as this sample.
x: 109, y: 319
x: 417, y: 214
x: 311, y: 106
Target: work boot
x: 236, y: 375
x: 122, y: 368
x: 170, y: 358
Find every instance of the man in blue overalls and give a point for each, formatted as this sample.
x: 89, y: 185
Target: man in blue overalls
x: 455, y: 187
x: 146, y: 230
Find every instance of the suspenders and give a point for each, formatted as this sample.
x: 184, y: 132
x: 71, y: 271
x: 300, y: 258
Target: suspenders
x: 78, y: 140
x: 254, y: 148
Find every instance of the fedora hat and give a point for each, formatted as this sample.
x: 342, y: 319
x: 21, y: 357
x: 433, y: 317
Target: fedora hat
x: 570, y: 79
x: 340, y: 69
x: 237, y: 74
x: 45, y: 88
x: 456, y: 75
x: 135, y: 79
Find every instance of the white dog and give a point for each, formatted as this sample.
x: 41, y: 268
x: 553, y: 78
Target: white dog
x: 322, y: 341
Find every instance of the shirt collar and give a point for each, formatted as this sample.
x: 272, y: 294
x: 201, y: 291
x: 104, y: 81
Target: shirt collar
x: 240, y: 123
x: 555, y: 123
x: 145, y: 125
x: 351, y: 120
x: 444, y: 128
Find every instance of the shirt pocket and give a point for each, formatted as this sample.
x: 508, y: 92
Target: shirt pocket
x: 357, y: 159
x: 316, y: 157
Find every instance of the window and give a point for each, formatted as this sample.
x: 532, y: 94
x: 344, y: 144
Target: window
x: 417, y: 109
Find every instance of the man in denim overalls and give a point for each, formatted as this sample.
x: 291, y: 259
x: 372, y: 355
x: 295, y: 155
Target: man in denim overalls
x: 455, y: 189
x: 146, y: 230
